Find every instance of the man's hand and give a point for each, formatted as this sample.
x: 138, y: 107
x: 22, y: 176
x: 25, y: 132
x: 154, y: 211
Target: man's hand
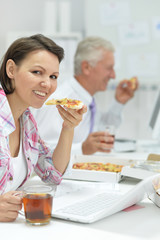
x: 98, y: 142
x: 10, y: 204
x: 124, y: 91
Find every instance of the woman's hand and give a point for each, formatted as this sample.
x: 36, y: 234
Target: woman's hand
x: 61, y: 154
x: 71, y: 117
x: 10, y: 204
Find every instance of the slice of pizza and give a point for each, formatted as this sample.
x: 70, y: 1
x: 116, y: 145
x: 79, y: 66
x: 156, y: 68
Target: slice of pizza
x: 67, y: 102
x: 133, y: 82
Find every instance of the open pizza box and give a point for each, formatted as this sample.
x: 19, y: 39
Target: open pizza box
x: 128, y: 169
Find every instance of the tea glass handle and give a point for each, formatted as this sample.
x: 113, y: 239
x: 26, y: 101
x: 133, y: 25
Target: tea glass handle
x: 21, y: 195
x: 21, y: 213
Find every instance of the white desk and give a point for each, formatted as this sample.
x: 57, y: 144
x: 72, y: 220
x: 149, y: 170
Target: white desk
x: 137, y: 224
x: 148, y: 146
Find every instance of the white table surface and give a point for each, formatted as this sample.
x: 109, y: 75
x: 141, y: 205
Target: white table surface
x: 139, y: 224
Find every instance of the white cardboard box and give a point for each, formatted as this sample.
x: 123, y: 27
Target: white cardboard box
x: 88, y: 175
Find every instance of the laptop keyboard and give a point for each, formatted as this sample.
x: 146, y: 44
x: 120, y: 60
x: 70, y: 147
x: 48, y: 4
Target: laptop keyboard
x: 92, y: 205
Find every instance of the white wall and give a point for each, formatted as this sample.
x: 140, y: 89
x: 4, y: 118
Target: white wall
x: 20, y: 18
x: 139, y: 12
x: 28, y: 16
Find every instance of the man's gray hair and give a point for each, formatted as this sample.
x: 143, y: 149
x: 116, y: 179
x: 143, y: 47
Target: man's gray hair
x: 90, y: 49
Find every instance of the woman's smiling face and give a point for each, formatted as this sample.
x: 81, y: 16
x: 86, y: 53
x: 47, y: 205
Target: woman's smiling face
x: 35, y: 79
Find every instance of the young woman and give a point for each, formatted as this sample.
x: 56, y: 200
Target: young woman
x: 28, y: 76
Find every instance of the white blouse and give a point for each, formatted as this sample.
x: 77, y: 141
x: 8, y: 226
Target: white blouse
x: 19, y: 168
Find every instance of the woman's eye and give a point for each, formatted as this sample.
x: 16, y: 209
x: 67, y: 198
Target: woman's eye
x: 36, y: 72
x: 53, y: 76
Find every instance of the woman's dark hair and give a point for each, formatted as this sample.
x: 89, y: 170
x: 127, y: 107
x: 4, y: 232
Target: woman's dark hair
x: 20, y: 49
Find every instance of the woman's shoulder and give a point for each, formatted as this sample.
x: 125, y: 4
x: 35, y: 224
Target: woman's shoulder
x: 6, y: 119
x: 2, y: 93
x: 3, y: 97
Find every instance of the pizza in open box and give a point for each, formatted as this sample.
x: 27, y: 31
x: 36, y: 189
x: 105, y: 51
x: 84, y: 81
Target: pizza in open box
x: 109, y: 167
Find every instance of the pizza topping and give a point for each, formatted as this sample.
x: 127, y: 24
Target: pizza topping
x: 59, y: 101
x: 109, y: 167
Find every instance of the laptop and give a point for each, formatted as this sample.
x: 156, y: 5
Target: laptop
x: 89, y: 205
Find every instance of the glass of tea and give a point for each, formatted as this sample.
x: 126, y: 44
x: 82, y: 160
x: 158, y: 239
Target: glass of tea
x: 111, y: 130
x: 37, y: 201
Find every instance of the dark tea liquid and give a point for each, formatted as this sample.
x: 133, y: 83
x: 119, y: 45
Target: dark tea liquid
x: 38, y: 207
